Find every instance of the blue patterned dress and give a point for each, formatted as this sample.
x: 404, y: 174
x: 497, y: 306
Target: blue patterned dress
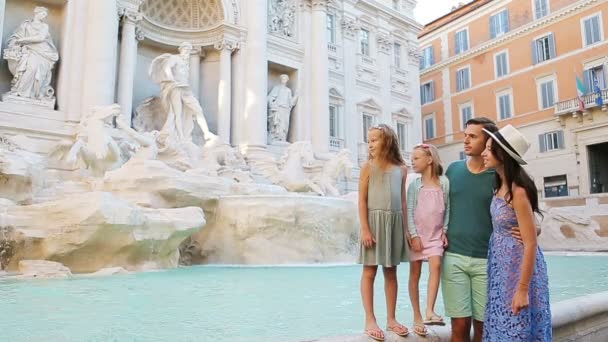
x: 505, y: 256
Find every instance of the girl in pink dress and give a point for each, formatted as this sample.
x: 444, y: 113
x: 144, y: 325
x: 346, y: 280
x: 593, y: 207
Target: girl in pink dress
x: 427, y: 211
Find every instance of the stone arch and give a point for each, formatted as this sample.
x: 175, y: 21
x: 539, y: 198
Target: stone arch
x: 190, y: 15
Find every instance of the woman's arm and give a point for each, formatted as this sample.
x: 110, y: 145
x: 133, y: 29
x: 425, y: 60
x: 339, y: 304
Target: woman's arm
x: 446, y: 197
x: 525, y: 220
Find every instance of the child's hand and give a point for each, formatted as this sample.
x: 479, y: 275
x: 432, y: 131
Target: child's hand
x: 444, y: 239
x: 417, y: 244
x: 367, y: 239
x: 520, y: 301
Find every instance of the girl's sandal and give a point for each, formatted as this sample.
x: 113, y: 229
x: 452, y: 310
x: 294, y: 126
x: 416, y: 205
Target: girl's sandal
x: 434, y: 320
x: 373, y: 334
x: 399, y: 329
x: 420, y: 329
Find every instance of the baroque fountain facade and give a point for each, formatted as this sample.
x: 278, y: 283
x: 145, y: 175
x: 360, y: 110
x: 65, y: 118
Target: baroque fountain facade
x: 145, y: 134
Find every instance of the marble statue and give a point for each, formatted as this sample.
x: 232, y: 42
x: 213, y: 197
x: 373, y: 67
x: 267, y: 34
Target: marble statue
x: 282, y: 17
x: 170, y: 71
x: 339, y: 165
x: 145, y: 147
x: 31, y: 56
x: 280, y: 103
x: 93, y: 144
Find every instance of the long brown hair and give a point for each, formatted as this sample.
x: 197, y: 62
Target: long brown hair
x: 390, y: 144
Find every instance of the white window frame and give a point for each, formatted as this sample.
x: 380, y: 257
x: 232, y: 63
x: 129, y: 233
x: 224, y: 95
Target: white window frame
x: 468, y: 66
x: 499, y: 94
x: 337, y: 120
x: 373, y: 122
x: 431, y: 117
x: 539, y: 93
x: 332, y: 34
x: 601, y: 22
x: 536, y: 17
x: 365, y: 52
x: 468, y: 41
x: 461, y: 106
x: 397, y: 57
x: 506, y: 52
x: 402, y: 142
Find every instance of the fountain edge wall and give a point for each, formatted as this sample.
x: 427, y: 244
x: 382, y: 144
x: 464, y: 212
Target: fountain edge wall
x: 581, y: 319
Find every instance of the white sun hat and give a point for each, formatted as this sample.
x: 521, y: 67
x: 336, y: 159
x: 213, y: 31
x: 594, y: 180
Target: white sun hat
x: 518, y: 144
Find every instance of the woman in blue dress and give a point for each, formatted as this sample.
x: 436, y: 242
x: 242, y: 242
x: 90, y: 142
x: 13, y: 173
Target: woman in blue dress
x: 518, y: 291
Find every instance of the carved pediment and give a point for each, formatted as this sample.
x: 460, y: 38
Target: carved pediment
x: 370, y: 105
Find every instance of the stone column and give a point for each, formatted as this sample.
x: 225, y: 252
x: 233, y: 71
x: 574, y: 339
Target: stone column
x: 2, y: 6
x: 319, y: 78
x: 128, y: 62
x: 238, y: 90
x: 414, y: 56
x: 71, y: 60
x: 224, y: 98
x: 99, y: 77
x: 252, y: 123
x: 350, y: 31
x: 300, y: 127
x: 195, y: 71
x: 384, y: 72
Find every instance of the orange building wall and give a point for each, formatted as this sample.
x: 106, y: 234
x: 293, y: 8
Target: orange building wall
x: 524, y: 85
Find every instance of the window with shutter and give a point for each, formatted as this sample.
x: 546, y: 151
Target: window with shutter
x: 504, y: 106
x: 499, y: 24
x: 541, y: 8
x: 463, y: 79
x: 543, y: 49
x: 551, y: 141
x: 502, y: 64
x: 547, y: 94
x: 592, y: 30
x: 429, y: 125
x: 462, y: 41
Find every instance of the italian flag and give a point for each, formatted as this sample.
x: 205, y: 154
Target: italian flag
x: 580, y: 90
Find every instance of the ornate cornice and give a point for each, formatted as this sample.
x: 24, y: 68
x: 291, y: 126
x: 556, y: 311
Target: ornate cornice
x: 350, y: 27
x: 413, y: 52
x: 384, y: 42
x: 320, y: 5
x: 537, y: 24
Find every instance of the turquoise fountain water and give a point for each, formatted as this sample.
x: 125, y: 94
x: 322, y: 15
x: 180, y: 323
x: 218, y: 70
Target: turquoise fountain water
x: 213, y: 303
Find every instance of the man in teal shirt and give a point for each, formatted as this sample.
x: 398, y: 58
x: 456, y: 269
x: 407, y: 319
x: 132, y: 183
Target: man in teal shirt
x: 464, y: 267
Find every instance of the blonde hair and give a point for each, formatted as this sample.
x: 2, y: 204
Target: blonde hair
x: 431, y: 151
x: 390, y: 144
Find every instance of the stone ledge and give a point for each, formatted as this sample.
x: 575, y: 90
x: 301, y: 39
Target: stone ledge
x: 578, y: 319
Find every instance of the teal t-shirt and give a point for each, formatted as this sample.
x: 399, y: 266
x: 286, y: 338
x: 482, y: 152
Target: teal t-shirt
x: 470, y: 223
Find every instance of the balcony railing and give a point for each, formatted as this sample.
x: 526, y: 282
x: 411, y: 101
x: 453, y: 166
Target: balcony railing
x: 332, y: 47
x: 335, y: 144
x: 573, y: 106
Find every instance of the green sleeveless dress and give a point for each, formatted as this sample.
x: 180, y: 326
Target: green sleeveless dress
x: 385, y: 218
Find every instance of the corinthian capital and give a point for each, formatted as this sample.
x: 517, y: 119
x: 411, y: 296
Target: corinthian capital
x: 384, y: 42
x: 320, y: 4
x: 226, y: 44
x: 350, y: 27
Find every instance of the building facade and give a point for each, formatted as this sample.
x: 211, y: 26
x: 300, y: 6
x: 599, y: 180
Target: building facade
x: 350, y: 63
x: 517, y: 62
